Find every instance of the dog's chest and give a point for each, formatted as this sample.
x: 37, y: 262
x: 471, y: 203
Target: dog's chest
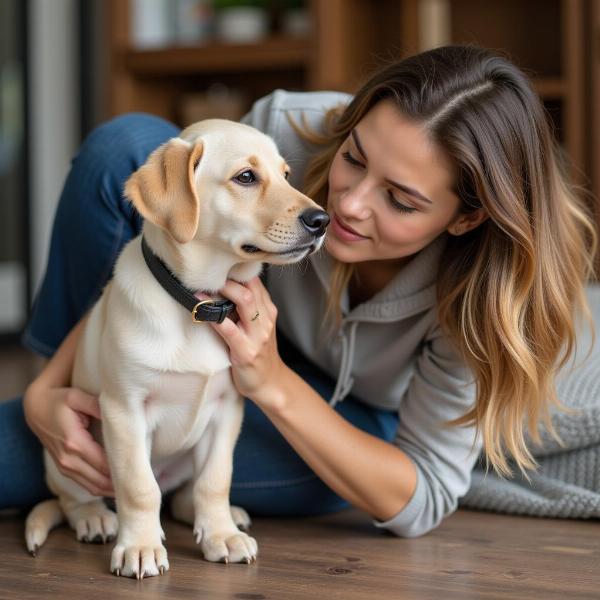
x: 181, y: 347
x: 180, y: 406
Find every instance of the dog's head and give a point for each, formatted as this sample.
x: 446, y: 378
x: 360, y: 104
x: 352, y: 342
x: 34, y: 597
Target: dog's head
x: 225, y: 183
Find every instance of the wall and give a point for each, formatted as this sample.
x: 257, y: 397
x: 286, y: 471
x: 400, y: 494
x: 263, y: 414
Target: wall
x: 54, y: 114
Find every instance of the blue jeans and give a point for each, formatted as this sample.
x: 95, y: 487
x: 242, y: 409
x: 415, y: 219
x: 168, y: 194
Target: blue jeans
x: 93, y: 221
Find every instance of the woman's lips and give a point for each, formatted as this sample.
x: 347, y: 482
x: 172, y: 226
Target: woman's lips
x: 344, y: 232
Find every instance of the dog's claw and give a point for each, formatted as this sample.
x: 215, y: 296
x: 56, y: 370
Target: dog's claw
x: 247, y: 560
x: 34, y: 551
x: 162, y: 570
x: 118, y: 572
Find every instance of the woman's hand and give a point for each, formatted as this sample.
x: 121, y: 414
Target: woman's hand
x: 255, y: 361
x: 60, y: 417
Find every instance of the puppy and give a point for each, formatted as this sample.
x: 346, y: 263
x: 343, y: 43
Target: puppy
x: 216, y: 205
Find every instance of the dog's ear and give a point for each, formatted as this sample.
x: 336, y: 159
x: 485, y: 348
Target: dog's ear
x: 163, y: 189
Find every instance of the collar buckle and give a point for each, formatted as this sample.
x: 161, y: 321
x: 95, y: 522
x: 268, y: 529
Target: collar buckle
x: 196, y: 308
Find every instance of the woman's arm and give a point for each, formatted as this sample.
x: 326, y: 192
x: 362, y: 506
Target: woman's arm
x: 59, y: 415
x: 371, y: 474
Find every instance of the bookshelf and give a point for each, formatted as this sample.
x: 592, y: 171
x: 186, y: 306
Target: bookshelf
x: 348, y: 39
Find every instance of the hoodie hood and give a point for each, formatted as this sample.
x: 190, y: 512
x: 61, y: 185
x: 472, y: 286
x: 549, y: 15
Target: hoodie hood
x: 412, y: 291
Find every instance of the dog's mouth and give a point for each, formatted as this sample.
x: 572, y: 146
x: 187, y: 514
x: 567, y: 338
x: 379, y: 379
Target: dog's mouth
x: 251, y: 249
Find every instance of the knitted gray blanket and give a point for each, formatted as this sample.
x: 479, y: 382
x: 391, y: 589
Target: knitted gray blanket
x: 567, y: 482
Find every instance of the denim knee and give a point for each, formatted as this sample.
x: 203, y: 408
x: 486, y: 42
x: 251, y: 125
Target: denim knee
x: 117, y: 148
x: 130, y: 137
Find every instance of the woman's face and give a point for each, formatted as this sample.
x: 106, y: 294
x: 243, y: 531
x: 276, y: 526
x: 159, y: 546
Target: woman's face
x: 391, y: 186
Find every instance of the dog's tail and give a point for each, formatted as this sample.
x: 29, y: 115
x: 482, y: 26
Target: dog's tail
x: 44, y: 517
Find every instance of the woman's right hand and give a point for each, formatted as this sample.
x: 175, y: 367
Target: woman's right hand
x: 60, y: 418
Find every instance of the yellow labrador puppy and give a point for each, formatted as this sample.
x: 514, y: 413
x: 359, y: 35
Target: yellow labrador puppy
x: 216, y: 204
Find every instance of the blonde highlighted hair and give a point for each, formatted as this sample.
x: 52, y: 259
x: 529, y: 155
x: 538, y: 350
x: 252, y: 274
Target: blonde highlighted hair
x: 510, y: 290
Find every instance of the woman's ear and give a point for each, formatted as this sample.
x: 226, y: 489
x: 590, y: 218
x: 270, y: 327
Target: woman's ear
x: 467, y: 222
x: 163, y: 189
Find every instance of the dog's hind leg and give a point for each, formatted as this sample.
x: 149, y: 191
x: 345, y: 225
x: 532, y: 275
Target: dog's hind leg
x: 91, y: 519
x: 93, y: 522
x: 44, y: 517
x: 87, y: 514
x: 241, y: 518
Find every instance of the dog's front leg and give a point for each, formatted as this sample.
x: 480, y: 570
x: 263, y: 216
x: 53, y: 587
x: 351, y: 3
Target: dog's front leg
x: 214, y: 528
x: 139, y: 550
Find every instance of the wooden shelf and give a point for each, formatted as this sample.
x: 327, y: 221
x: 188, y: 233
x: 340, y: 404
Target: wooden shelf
x: 550, y: 88
x: 273, y: 53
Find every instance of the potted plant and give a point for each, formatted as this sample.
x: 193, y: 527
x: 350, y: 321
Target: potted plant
x: 241, y: 21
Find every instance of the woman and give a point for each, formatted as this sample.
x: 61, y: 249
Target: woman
x: 454, y: 269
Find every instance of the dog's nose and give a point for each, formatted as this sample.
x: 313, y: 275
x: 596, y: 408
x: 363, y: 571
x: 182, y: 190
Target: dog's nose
x: 315, y: 220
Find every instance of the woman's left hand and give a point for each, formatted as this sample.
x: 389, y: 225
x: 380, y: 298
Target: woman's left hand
x: 255, y: 360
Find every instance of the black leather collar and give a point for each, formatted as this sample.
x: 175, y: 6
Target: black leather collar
x: 202, y: 310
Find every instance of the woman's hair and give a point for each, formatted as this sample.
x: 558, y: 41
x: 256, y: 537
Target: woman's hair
x: 510, y: 290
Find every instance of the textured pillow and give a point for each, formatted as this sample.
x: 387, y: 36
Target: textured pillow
x: 567, y: 482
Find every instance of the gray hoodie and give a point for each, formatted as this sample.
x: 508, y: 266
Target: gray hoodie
x: 390, y: 351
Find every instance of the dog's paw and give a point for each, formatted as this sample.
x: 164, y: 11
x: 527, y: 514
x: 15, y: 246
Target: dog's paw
x: 93, y: 522
x: 97, y: 527
x: 240, y: 518
x: 139, y: 561
x: 227, y: 546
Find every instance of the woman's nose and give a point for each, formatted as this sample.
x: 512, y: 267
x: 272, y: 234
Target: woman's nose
x: 356, y: 201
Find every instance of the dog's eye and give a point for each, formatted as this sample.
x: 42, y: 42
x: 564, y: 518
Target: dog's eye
x: 287, y: 174
x: 246, y: 177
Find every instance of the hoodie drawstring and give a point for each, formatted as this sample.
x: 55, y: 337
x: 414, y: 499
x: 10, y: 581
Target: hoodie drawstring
x: 345, y: 381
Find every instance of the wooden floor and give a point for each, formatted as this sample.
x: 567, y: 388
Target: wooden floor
x: 470, y: 555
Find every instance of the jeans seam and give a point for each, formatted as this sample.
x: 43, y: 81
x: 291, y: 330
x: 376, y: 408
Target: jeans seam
x: 34, y: 344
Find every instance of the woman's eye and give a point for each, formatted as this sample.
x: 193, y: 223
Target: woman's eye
x: 398, y: 206
x: 349, y: 158
x: 246, y: 177
x: 394, y: 203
